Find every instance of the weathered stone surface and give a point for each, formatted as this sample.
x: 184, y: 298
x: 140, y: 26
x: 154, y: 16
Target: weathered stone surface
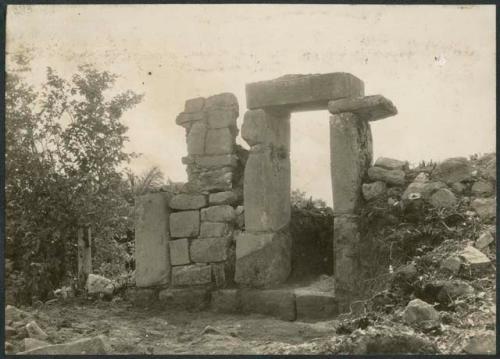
x: 313, y: 304
x: 240, y: 217
x: 443, y: 198
x: 196, y: 139
x: 254, y: 129
x: 394, y: 177
x: 193, y: 274
x: 194, y: 104
x: 216, y: 161
x: 185, y: 119
x: 267, y: 191
x: 142, y: 297
x: 85, y: 346
x: 272, y: 302
x: 184, y: 224
x: 219, y: 141
x: 214, y: 229
x: 367, y: 108
x: 97, y: 284
x: 179, y: 252
x: 454, y: 289
x: 14, y: 314
x: 451, y: 264
x: 226, y: 197
x: 484, y: 240
x: 483, y: 342
x: 32, y: 343
x: 223, y: 100
x: 222, y: 117
x: 220, y: 179
x: 458, y: 187
x: 205, y: 250
x: 10, y: 332
x: 185, y: 201
x: 262, y: 260
x: 269, y: 128
x: 485, y: 207
x: 226, y: 301
x: 303, y: 92
x: 488, y: 166
x: 482, y: 189
x: 453, y: 170
x: 223, y: 272
x: 373, y: 190
x: 424, y: 189
x: 186, y: 298
x: 152, y: 259
x: 350, y: 155
x: 220, y: 213
x: 418, y: 312
x: 474, y: 258
x: 391, y: 164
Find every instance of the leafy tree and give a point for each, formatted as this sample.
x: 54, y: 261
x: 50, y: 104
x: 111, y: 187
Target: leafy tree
x: 64, y: 154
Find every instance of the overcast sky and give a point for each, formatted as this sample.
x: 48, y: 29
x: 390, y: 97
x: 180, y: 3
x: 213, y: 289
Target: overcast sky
x: 436, y: 63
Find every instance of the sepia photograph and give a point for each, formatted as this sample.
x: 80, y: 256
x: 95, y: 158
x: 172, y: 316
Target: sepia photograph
x: 250, y: 179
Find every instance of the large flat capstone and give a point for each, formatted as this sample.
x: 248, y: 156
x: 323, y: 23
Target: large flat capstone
x: 303, y: 92
x: 151, y: 239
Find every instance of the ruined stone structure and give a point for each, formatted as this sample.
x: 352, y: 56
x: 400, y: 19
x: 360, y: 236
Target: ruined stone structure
x: 230, y: 225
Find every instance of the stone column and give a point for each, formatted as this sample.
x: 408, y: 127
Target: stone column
x: 351, y: 154
x: 263, y: 252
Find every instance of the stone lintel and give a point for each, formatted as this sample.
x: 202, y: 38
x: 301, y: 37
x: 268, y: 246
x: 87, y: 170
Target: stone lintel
x: 303, y: 92
x: 367, y: 108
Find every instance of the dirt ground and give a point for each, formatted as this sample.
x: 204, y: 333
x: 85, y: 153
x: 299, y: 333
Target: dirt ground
x: 132, y: 330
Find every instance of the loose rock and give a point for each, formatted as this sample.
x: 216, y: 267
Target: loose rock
x: 32, y: 343
x: 482, y: 343
x: 485, y: 207
x: 474, y: 258
x: 443, y: 198
x: 97, y: 284
x: 373, y: 190
x: 418, y: 312
x: 394, y: 177
x: 482, y: 189
x: 453, y: 170
x: 484, y: 240
x: 34, y: 331
x: 390, y: 163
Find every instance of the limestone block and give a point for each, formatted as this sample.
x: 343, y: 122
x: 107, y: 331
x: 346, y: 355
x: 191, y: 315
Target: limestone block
x: 394, y: 177
x: 267, y: 127
x: 194, y: 274
x: 313, y: 304
x: 220, y: 141
x: 206, y: 250
x: 485, y: 207
x: 185, y: 119
x: 350, y: 156
x: 453, y: 170
x: 222, y: 117
x: 222, y: 273
x: 196, y: 139
x: 424, y: 189
x: 194, y: 104
x: 482, y: 189
x: 273, y: 302
x: 367, y: 108
x: 185, y: 201
x: 186, y: 298
x: 214, y: 229
x: 220, y: 213
x: 474, y: 258
x: 482, y: 342
x: 220, y: 179
x: 443, y: 198
x: 303, y: 92
x: 418, y: 312
x: 184, y: 224
x: 179, y: 252
x: 484, y: 240
x: 225, y: 99
x: 391, y: 163
x: 267, y: 191
x: 226, y: 301
x: 254, y: 129
x: 226, y: 197
x: 262, y: 260
x: 216, y: 161
x: 152, y: 259
x: 373, y: 190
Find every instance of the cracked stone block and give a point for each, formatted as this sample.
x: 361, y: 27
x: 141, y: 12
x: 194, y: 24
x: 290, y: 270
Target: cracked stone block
x: 206, y: 250
x: 179, y: 252
x: 273, y: 302
x: 220, y: 213
x: 303, y: 92
x: 196, y: 139
x: 367, y: 108
x: 194, y: 274
x: 184, y: 201
x: 184, y: 224
x: 214, y: 229
x: 263, y: 259
x: 151, y: 239
x: 219, y: 141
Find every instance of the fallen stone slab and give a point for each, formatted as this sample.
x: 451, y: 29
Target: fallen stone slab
x: 303, y: 92
x: 95, y: 345
x: 315, y: 305
x: 194, y: 274
x: 186, y: 298
x: 272, y: 302
x: 367, y: 108
x: 185, y: 201
x: 475, y: 259
x: 32, y: 343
